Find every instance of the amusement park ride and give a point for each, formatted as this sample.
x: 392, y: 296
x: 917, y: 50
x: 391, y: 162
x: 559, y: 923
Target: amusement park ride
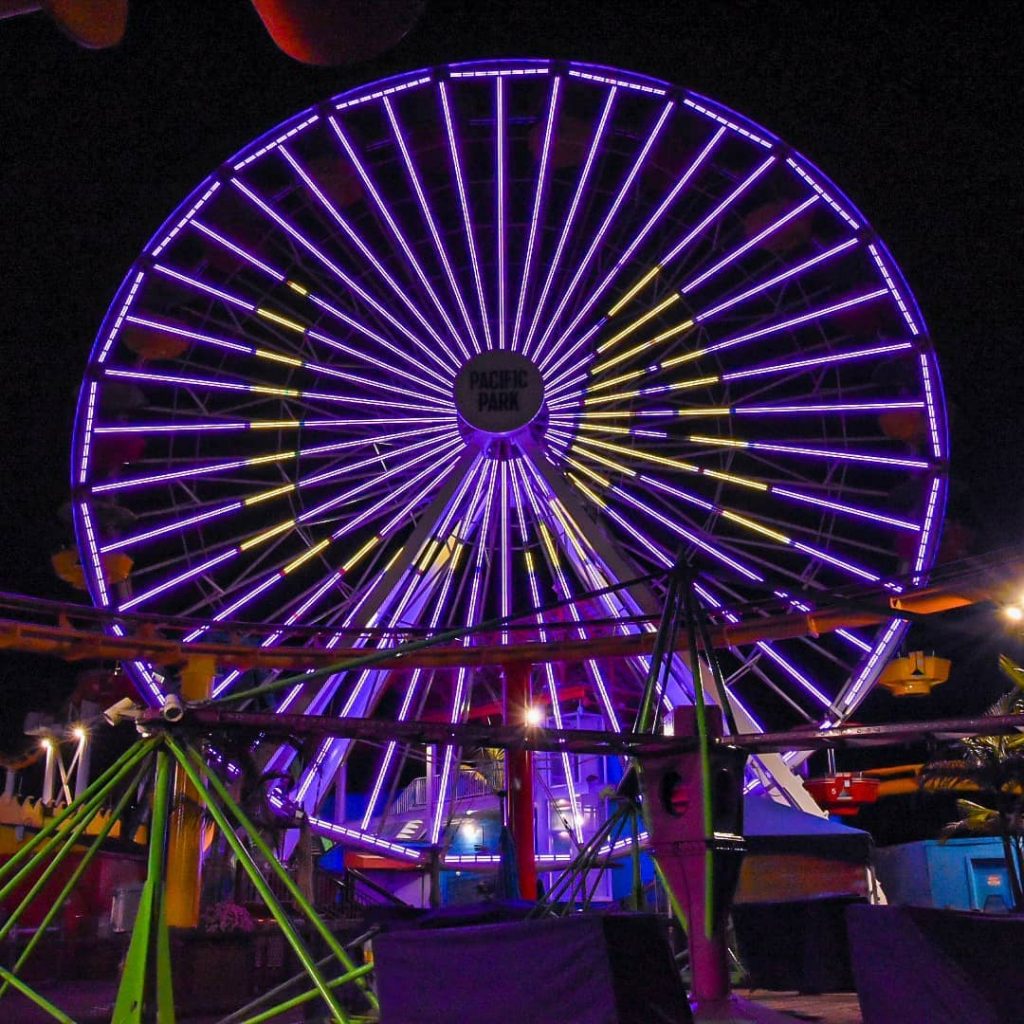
x: 517, y: 405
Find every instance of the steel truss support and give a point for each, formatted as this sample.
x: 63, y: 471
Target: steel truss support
x: 145, y: 992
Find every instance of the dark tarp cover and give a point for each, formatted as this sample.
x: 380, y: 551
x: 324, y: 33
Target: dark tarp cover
x: 772, y: 827
x: 611, y: 969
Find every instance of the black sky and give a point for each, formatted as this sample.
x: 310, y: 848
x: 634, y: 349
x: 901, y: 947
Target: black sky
x: 915, y: 110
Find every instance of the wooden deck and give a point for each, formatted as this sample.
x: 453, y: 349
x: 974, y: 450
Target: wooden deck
x: 829, y: 1008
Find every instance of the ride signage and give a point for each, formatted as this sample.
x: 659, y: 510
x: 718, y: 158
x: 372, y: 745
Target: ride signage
x: 499, y: 392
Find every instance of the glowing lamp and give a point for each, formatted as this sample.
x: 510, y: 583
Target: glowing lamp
x: 1014, y: 612
x: 915, y: 674
x: 534, y: 715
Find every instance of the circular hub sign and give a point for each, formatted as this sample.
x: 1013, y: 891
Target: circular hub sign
x: 499, y: 392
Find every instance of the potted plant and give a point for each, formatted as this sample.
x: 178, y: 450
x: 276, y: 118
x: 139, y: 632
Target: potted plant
x: 993, y: 766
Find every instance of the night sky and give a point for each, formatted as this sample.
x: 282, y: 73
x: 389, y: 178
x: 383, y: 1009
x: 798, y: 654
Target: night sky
x: 917, y: 114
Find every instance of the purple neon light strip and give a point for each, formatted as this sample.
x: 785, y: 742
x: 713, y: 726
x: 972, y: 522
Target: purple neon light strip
x: 238, y: 251
x: 933, y: 422
x: 398, y: 234
x: 275, y: 638
x: 122, y: 313
x: 800, y: 364
x: 824, y: 407
x: 598, y: 239
x: 183, y: 332
x: 237, y: 605
x: 459, y: 703
x: 849, y: 510
x: 189, y: 214
x: 825, y: 453
x: 428, y: 216
x: 556, y: 709
x: 208, y: 289
x: 290, y: 134
x: 90, y: 416
x: 717, y: 211
x: 731, y: 257
x: 202, y: 426
x: 893, y: 290
x: 686, y: 534
x: 321, y: 700
x: 592, y: 667
x: 739, y: 129
x: 500, y: 160
x: 930, y: 522
x: 256, y: 389
x: 356, y: 239
x: 182, y: 524
x: 99, y: 576
x: 443, y: 449
x: 839, y: 563
x: 821, y: 192
x: 571, y: 216
x: 379, y: 93
x: 467, y: 219
x: 320, y: 255
x: 796, y: 321
x: 403, y: 713
x: 175, y: 581
x: 786, y: 275
x: 621, y: 262
x: 538, y: 198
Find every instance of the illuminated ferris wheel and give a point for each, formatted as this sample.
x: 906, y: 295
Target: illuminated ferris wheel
x: 470, y: 341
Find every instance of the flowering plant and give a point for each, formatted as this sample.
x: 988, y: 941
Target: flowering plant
x: 226, y: 918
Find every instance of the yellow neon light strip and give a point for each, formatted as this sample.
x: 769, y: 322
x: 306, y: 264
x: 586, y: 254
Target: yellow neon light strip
x: 269, y: 314
x: 637, y: 324
x: 428, y: 554
x: 274, y: 424
x: 611, y: 464
x: 367, y: 547
x: 265, y: 495
x: 623, y: 356
x: 733, y: 479
x: 266, y: 535
x: 259, y: 460
x: 311, y: 553
x: 726, y: 442
x: 632, y: 375
x: 597, y: 500
x: 682, y: 385
x: 529, y: 561
x: 659, y: 460
x: 257, y: 389
x: 296, y: 287
x: 646, y: 279
x: 549, y: 544
x: 587, y: 471
x: 710, y: 410
x: 278, y: 358
x: 756, y: 527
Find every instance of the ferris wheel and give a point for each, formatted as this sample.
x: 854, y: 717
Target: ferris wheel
x: 470, y: 341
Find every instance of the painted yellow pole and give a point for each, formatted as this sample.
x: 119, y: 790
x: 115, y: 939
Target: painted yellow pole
x: 184, y: 842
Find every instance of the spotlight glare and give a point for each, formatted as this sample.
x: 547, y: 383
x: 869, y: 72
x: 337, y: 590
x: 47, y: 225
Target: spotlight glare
x: 534, y: 715
x: 1014, y: 612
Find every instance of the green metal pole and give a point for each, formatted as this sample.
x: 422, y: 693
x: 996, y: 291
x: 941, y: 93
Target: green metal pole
x: 87, y: 859
x: 634, y: 857
x: 286, y: 879
x: 40, y: 1001
x: 130, y: 1003
x: 98, y: 790
x: 306, y: 997
x: 251, y: 869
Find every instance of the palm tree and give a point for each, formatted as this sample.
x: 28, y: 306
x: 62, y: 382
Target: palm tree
x: 992, y: 766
